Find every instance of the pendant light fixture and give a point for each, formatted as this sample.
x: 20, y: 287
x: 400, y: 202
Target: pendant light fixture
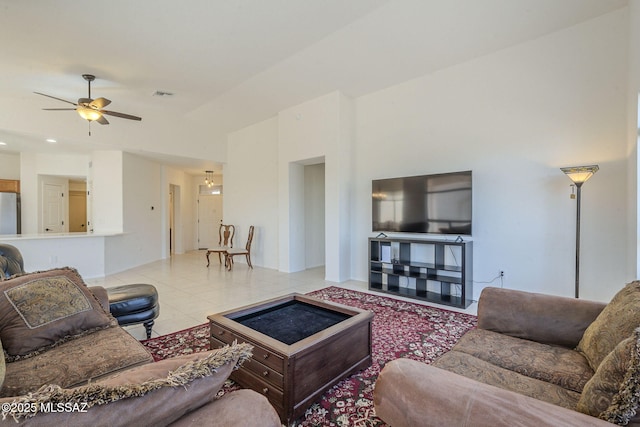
x: 208, y: 179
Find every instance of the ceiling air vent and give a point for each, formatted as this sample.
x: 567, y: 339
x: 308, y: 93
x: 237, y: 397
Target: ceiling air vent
x: 162, y: 93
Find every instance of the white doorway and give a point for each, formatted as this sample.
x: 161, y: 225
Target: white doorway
x: 77, y: 206
x: 209, y: 215
x: 314, y: 214
x: 307, y: 248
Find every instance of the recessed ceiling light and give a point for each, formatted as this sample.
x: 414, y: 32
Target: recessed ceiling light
x: 51, y: 141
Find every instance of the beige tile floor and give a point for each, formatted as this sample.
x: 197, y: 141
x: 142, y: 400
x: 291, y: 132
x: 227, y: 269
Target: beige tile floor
x: 188, y: 291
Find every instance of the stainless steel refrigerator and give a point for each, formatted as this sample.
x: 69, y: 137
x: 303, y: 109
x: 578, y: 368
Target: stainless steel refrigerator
x: 10, y: 213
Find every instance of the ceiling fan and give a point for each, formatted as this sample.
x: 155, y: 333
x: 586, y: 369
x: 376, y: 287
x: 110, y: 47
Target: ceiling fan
x: 90, y: 109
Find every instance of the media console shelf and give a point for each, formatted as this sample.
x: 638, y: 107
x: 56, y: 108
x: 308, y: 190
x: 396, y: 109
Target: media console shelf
x: 438, y: 271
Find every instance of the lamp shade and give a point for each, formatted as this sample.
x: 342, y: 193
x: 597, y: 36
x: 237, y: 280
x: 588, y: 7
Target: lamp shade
x: 88, y: 113
x: 580, y: 174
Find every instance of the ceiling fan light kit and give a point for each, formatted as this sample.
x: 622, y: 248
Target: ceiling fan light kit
x: 88, y: 113
x: 90, y: 109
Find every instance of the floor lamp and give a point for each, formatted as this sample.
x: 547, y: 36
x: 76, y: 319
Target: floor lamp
x: 579, y: 175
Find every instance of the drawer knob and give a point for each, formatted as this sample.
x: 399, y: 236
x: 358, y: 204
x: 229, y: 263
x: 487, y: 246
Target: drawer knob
x: 265, y: 390
x: 220, y: 332
x: 265, y: 374
x: 265, y: 356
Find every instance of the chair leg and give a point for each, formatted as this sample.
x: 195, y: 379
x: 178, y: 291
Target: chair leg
x: 208, y: 258
x: 249, y: 260
x: 147, y: 327
x: 220, y: 257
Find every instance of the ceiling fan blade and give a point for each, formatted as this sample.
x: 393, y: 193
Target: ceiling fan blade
x: 59, y: 109
x: 59, y: 99
x: 102, y: 120
x: 121, y: 115
x: 99, y: 103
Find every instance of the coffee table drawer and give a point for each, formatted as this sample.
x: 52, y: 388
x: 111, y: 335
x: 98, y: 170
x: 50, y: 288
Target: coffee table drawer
x: 266, y: 373
x: 258, y: 369
x: 260, y: 354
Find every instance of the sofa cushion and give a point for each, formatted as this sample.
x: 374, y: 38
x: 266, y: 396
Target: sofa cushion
x: 155, y: 394
x: 614, y: 391
x: 554, y: 364
x: 614, y: 324
x: 73, y: 363
x: 477, y: 369
x: 42, y: 309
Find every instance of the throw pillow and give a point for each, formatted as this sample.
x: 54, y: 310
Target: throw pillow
x: 615, y: 323
x: 153, y: 394
x: 42, y: 309
x: 612, y: 392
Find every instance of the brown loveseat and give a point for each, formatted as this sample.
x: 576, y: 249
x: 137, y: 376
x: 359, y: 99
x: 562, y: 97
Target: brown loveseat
x: 534, y: 360
x: 67, y: 362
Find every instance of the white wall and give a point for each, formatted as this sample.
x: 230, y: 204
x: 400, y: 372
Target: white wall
x: 106, y: 182
x: 9, y: 166
x: 515, y: 117
x: 142, y: 201
x: 84, y: 253
x: 251, y: 190
x: 319, y: 128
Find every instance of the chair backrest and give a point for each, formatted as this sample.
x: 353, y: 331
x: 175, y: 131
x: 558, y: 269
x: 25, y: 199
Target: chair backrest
x: 249, y: 239
x: 226, y: 233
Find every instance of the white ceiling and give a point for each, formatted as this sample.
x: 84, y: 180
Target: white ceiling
x: 231, y: 63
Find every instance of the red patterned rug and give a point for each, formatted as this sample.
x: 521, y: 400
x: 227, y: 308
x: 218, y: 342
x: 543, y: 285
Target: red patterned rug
x: 400, y: 329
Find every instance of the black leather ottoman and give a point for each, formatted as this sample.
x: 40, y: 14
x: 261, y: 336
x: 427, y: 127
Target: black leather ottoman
x: 133, y: 304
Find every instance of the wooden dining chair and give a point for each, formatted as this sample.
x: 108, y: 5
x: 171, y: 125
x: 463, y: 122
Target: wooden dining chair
x: 230, y: 253
x: 225, y: 242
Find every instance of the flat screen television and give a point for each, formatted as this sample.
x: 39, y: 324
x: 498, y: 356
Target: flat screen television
x: 438, y: 204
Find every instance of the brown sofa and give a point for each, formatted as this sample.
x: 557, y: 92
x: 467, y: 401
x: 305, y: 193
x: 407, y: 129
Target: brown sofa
x: 67, y: 362
x: 534, y: 360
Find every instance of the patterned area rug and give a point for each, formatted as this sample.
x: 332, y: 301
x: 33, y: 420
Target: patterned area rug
x: 400, y: 329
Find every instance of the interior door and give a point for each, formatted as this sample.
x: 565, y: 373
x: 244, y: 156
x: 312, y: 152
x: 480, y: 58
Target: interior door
x: 52, y: 208
x: 209, y: 218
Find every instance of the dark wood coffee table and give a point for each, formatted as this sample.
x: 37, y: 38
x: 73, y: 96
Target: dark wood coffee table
x: 302, y: 346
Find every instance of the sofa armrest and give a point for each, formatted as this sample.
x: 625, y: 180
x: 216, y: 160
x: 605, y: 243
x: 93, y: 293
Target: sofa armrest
x: 410, y: 393
x: 102, y: 296
x: 542, y: 318
x: 232, y: 410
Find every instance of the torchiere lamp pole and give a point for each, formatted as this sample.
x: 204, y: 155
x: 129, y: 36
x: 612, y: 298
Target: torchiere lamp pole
x: 579, y: 175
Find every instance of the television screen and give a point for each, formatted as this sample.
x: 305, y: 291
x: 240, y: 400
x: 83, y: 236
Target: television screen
x: 438, y: 204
